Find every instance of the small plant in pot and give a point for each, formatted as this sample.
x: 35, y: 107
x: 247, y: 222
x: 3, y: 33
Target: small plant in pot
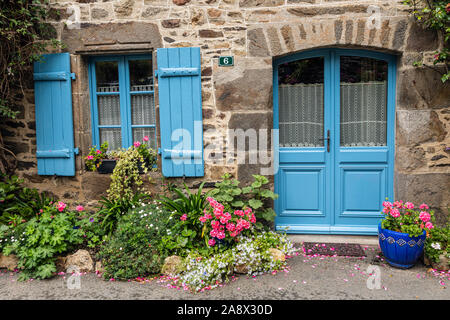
x: 100, y: 160
x: 403, y: 232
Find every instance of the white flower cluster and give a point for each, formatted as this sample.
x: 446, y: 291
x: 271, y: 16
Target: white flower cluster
x: 436, y: 245
x: 253, y: 253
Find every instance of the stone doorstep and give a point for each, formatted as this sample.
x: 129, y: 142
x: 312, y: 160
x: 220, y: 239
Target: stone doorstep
x: 320, y: 238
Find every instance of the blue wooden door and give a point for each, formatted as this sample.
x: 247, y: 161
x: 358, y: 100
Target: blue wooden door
x: 334, y: 110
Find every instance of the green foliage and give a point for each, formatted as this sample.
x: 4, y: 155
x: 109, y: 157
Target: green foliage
x: 24, y: 35
x: 256, y: 196
x: 189, y: 203
x: 18, y: 203
x: 39, y: 241
x: 132, y: 250
x: 110, y: 212
x: 95, y: 156
x: 125, y: 179
x: 438, y: 243
x: 434, y: 15
x: 186, y: 231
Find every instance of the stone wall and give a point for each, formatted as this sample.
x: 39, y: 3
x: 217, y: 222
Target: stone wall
x: 254, y: 32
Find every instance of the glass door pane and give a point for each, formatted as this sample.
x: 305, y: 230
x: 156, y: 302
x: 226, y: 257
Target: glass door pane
x: 363, y: 90
x: 108, y: 103
x: 143, y: 117
x: 301, y: 103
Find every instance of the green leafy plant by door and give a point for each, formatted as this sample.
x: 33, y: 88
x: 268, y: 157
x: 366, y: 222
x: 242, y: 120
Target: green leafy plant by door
x: 257, y: 196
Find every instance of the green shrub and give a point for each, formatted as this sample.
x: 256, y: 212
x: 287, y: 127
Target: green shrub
x: 40, y: 240
x: 438, y: 243
x: 132, y: 251
x: 19, y: 203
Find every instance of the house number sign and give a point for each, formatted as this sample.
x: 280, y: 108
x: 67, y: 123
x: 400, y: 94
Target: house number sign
x: 226, y: 61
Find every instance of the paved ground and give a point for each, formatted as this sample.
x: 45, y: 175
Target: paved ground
x: 307, y: 278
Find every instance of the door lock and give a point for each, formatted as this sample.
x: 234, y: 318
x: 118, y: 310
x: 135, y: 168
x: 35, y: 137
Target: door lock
x: 328, y: 140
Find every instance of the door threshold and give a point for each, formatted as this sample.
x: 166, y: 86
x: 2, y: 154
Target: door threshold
x: 329, y: 238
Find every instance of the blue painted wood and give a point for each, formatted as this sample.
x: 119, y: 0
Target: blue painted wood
x: 180, y: 105
x: 341, y: 191
x: 54, y: 121
x: 52, y: 76
x: 124, y: 97
x: 178, y: 72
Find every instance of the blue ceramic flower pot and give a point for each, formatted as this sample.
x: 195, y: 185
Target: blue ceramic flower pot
x: 399, y: 249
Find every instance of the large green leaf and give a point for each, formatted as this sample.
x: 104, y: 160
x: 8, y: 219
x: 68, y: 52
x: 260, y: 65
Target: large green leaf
x: 255, y: 203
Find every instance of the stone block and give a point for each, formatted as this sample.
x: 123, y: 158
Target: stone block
x: 237, y: 88
x: 418, y: 126
x: 422, y: 88
x: 430, y: 188
x: 421, y: 39
x: 257, y: 44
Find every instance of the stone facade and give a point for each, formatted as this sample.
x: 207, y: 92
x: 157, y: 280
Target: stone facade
x: 254, y: 32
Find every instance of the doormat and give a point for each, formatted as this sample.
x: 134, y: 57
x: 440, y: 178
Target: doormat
x: 332, y: 249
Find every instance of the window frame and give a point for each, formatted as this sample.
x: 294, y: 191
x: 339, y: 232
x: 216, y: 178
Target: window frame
x: 124, y: 93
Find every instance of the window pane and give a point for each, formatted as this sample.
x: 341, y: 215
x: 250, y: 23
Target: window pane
x: 141, y: 78
x: 107, y: 75
x: 108, y: 110
x: 142, y: 109
x: 140, y: 133
x: 363, y: 102
x: 301, y: 103
x: 113, y: 136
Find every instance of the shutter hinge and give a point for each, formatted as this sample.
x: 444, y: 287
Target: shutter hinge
x: 76, y: 151
x: 156, y: 73
x: 72, y: 76
x: 159, y: 151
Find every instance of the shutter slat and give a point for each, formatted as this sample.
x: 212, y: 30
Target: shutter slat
x: 54, y: 121
x: 179, y: 83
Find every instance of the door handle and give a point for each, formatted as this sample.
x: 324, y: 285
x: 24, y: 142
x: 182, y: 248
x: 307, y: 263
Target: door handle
x: 328, y: 140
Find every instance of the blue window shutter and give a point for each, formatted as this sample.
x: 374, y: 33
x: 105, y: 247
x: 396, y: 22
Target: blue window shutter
x: 180, y: 112
x: 54, y: 121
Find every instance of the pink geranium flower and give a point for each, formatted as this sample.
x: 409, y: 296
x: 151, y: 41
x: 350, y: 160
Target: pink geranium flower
x: 80, y: 208
x: 424, y: 206
x: 90, y: 157
x: 61, y: 206
x: 145, y: 138
x: 387, y: 204
x: 183, y: 217
x: 98, y: 151
x: 409, y: 205
x: 429, y: 225
x: 424, y: 216
x: 212, y: 242
x: 395, y: 213
x: 137, y: 144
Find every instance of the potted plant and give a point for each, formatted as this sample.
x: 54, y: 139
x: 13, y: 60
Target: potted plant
x: 403, y: 232
x: 99, y: 160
